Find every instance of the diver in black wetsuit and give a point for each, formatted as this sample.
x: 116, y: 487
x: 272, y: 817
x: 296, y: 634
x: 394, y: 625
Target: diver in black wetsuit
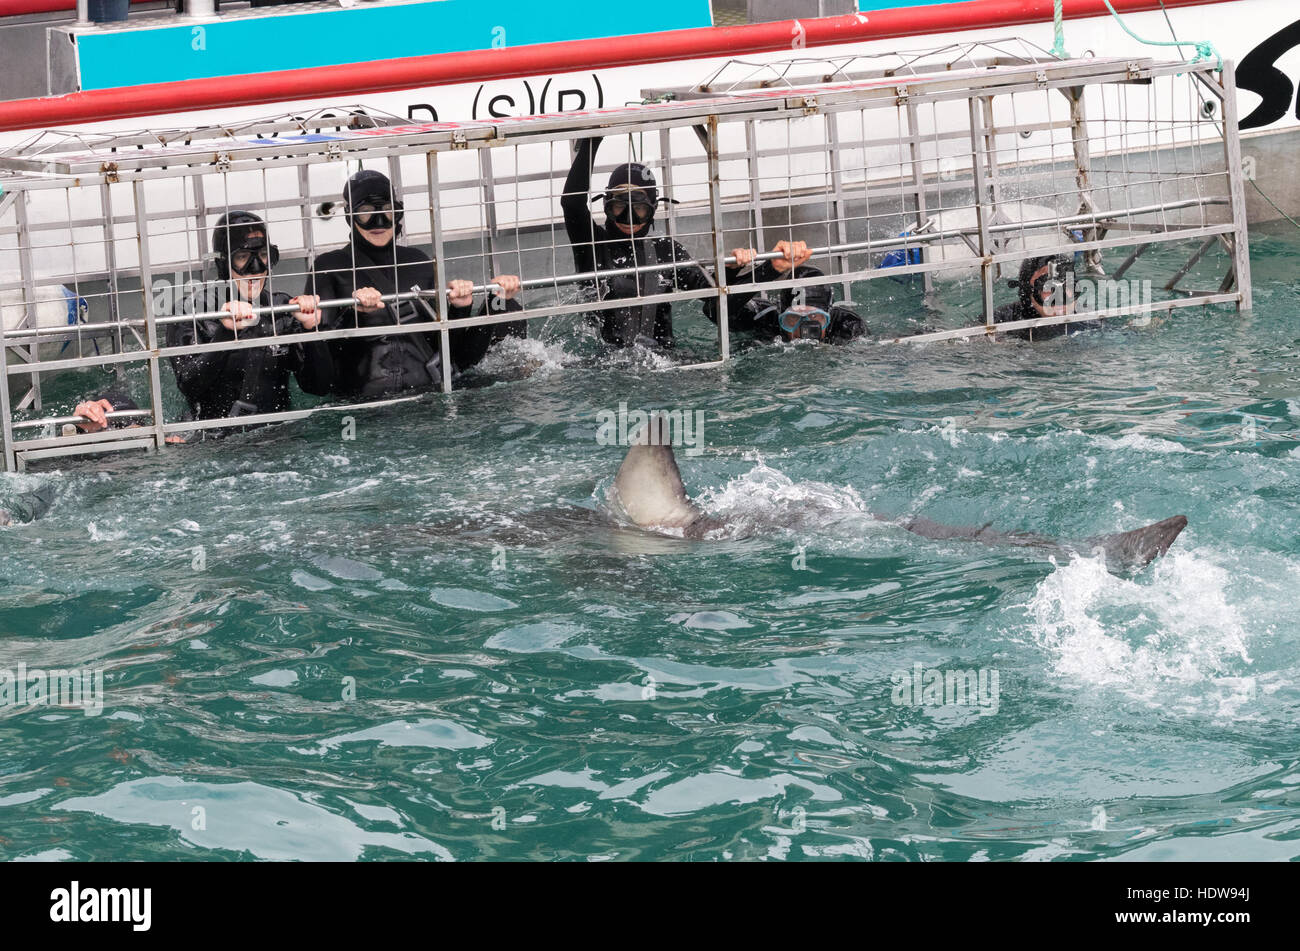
x: 1046, y: 285
x: 800, y: 313
x: 34, y: 503
x: 373, y: 265
x: 625, y: 241
x: 94, y: 414
x: 228, y: 383
x: 28, y: 506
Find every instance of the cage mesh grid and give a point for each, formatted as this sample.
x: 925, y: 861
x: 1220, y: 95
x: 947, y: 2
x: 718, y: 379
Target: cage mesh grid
x: 942, y: 175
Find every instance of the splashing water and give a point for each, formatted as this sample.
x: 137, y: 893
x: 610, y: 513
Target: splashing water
x: 1163, y: 638
x: 422, y: 638
x: 765, y: 499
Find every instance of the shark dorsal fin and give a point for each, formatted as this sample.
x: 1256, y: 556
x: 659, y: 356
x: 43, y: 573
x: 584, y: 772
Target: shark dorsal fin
x: 648, y: 489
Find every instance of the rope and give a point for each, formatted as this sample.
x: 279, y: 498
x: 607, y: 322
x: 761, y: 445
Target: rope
x: 1255, y: 185
x: 1204, y: 48
x: 1058, y: 24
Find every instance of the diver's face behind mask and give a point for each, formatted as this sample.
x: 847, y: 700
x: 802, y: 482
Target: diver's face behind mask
x: 1053, y: 290
x: 251, y: 262
x: 804, y: 322
x: 374, y: 218
x: 629, y: 210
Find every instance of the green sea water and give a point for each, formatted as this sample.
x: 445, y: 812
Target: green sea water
x: 429, y: 642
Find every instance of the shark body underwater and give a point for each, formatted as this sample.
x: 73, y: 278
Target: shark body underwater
x: 649, y: 497
x: 649, y: 493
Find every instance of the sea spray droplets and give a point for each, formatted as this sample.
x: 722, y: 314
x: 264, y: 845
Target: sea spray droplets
x: 1169, y: 637
x: 514, y: 353
x: 764, y: 497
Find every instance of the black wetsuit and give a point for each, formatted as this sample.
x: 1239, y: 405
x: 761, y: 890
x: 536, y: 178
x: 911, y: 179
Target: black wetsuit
x: 601, y: 248
x: 751, y: 311
x: 375, y: 367
x: 34, y: 503
x: 1018, y: 311
x: 225, y: 383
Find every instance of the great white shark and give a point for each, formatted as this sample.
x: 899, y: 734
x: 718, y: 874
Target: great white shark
x: 649, y: 493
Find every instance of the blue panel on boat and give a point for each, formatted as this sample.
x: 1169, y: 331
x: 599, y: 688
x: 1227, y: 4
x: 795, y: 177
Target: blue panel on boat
x: 288, y: 40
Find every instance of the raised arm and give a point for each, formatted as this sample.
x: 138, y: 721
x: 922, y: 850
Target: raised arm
x: 578, y: 222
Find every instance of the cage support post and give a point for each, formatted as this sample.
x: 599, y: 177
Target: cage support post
x: 110, y: 255
x: 839, y: 204
x: 1083, y: 169
x: 488, y: 175
x: 981, y: 212
x: 918, y: 181
x: 33, y: 395
x: 6, y: 416
x: 1237, y: 191
x: 719, y: 251
x: 305, y: 209
x: 150, y: 318
x: 755, y: 185
x: 440, y: 301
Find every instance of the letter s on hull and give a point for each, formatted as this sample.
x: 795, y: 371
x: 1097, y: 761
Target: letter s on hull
x: 1258, y: 73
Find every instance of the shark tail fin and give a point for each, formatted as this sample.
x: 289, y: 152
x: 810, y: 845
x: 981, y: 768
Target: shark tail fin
x: 1138, y: 548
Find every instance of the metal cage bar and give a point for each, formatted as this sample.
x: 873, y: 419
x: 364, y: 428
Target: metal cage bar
x: 1128, y: 178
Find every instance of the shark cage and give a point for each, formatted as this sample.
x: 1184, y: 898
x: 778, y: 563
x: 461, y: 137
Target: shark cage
x: 950, y: 164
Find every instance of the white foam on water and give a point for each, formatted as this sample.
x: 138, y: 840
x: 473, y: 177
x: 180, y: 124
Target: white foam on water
x: 765, y: 497
x: 1170, y: 637
x: 98, y: 534
x: 1135, y: 441
x: 532, y: 353
x: 1139, y: 442
x: 639, y: 356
